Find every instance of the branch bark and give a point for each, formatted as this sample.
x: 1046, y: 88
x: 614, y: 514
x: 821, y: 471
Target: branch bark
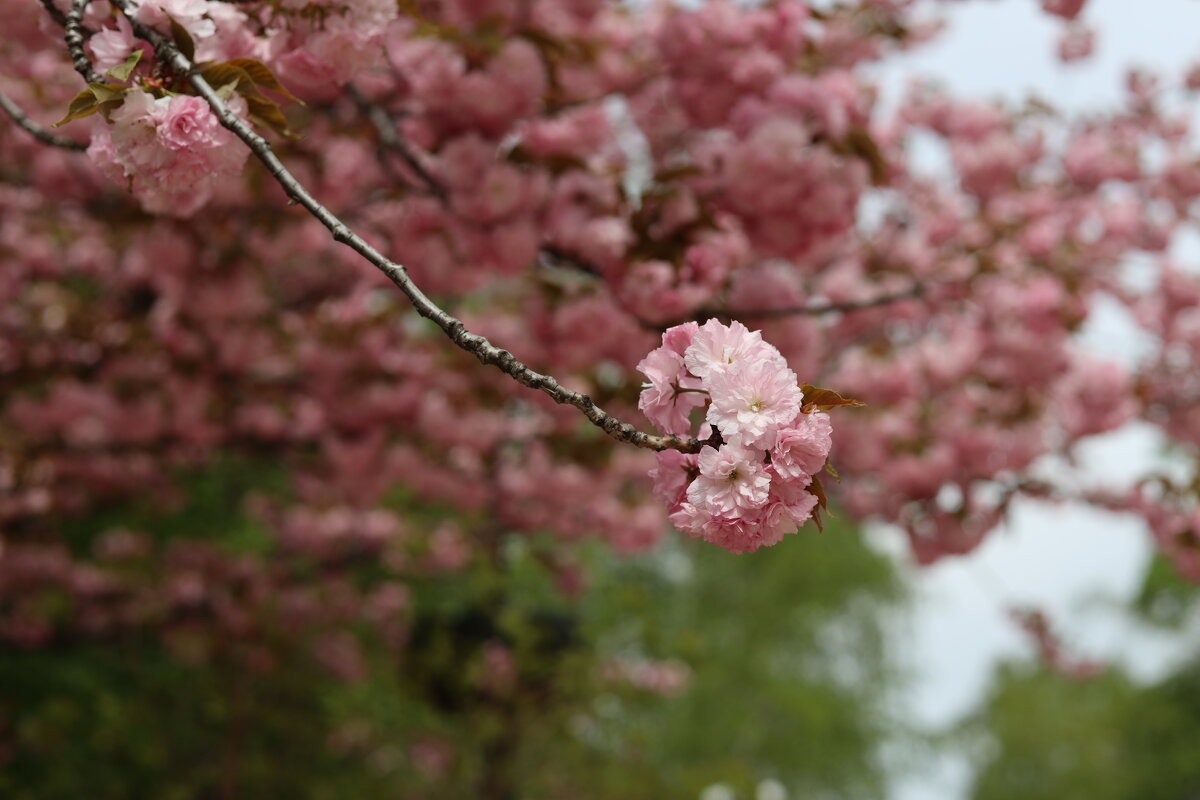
x: 35, y: 130
x: 54, y: 13
x: 74, y: 36
x: 819, y: 309
x: 480, y: 347
x: 385, y: 128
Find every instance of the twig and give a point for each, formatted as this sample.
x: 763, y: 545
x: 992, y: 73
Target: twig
x: 35, y: 130
x: 819, y: 309
x: 386, y: 129
x: 479, y: 346
x: 74, y: 36
x: 54, y: 13
x: 548, y: 255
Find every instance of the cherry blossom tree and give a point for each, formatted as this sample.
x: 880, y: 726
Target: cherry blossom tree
x: 480, y: 256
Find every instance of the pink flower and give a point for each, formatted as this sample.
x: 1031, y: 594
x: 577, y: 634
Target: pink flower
x: 188, y: 124
x: 794, y: 498
x: 747, y: 533
x: 800, y: 451
x: 731, y: 480
x: 732, y: 496
x: 715, y: 348
x: 135, y: 132
x: 1096, y: 396
x: 753, y: 400
x: 781, y: 518
x: 1067, y: 9
x: 1076, y: 43
x: 191, y: 14
x: 670, y: 395
x: 111, y: 47
x: 671, y: 476
x: 680, y: 338
x: 172, y: 149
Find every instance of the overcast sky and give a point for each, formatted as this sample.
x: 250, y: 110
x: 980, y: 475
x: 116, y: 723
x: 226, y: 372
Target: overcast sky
x: 1078, y: 564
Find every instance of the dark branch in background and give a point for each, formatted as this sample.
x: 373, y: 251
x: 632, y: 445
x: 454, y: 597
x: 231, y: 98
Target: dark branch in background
x: 554, y: 256
x: 389, y: 139
x: 479, y: 346
x: 35, y: 130
x: 75, y: 37
x: 807, y: 310
x: 818, y: 309
x: 54, y: 13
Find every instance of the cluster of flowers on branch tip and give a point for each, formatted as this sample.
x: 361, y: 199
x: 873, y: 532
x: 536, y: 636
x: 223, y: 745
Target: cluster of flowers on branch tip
x: 171, y: 151
x: 151, y: 133
x: 760, y: 483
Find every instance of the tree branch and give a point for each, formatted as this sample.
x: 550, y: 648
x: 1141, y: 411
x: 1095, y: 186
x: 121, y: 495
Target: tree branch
x: 819, y: 309
x: 54, y: 13
x: 75, y: 37
x: 549, y: 255
x: 35, y: 130
x: 390, y: 140
x: 480, y: 347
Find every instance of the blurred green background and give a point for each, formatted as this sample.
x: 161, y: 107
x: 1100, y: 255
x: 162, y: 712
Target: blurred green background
x: 663, y: 674
x: 626, y: 677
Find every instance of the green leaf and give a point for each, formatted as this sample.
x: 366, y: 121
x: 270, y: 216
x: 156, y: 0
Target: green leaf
x: 225, y: 73
x: 816, y: 488
x: 122, y: 71
x: 183, y: 39
x: 267, y: 112
x: 860, y: 143
x: 84, y: 104
x: 262, y: 76
x: 97, y: 97
x: 108, y: 92
x: 263, y: 111
x: 816, y: 398
x: 832, y: 472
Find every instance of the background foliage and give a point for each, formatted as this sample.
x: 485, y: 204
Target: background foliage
x: 786, y: 652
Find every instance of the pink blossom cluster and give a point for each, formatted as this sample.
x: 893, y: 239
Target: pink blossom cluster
x: 171, y: 151
x: 132, y: 347
x: 314, y: 46
x: 754, y: 488
x: 317, y: 47
x: 1067, y: 9
x: 666, y: 677
x: 1050, y: 647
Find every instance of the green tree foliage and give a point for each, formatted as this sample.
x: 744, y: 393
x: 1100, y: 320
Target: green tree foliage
x: 505, y: 687
x: 1043, y: 735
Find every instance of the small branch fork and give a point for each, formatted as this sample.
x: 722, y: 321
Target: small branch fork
x: 479, y: 346
x: 35, y: 130
x: 390, y: 140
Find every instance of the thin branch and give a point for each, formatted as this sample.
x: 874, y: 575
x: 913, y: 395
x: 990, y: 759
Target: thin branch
x: 548, y: 255
x: 480, y: 347
x: 35, y: 130
x: 75, y: 37
x: 54, y: 13
x: 819, y: 309
x: 386, y: 129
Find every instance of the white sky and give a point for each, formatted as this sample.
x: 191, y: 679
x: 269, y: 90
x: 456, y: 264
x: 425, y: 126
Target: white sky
x: 1078, y: 564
